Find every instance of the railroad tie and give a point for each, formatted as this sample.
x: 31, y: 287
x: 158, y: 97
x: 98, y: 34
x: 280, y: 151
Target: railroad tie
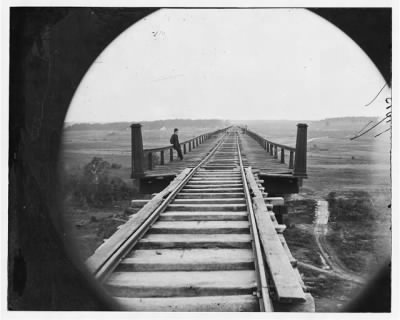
x: 201, y: 251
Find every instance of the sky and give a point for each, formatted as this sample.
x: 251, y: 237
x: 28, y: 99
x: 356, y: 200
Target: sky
x: 235, y: 64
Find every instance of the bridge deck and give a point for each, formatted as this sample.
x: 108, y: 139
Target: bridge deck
x: 190, y: 160
x: 259, y: 159
x: 254, y: 156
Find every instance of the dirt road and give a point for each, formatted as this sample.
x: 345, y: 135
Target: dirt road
x: 330, y: 260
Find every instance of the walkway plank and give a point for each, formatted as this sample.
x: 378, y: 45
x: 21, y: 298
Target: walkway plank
x: 254, y: 155
x: 285, y: 280
x: 198, y: 227
x: 236, y: 303
x: 181, y: 283
x: 203, y: 215
x: 160, y: 241
x: 188, y: 260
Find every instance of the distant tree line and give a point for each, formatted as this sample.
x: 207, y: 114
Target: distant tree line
x: 151, y: 125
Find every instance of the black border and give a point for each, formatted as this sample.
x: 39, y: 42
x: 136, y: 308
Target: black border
x: 51, y: 48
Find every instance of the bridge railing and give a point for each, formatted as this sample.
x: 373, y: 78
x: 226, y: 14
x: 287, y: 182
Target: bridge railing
x: 297, y: 155
x: 150, y: 157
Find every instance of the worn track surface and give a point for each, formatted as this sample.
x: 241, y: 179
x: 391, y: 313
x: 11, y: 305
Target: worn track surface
x: 198, y: 255
x: 207, y: 242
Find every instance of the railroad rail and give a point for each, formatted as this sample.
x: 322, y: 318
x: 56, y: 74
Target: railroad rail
x: 142, y: 158
x: 207, y: 242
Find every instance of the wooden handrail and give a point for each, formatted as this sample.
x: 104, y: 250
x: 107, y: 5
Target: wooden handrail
x: 257, y: 137
x: 201, y: 137
x: 140, y: 155
x: 297, y: 156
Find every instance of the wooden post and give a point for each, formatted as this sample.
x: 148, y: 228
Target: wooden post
x: 137, y: 151
x: 271, y: 149
x: 162, y: 157
x: 150, y: 160
x: 171, y: 154
x: 276, y: 152
x: 291, y: 160
x: 300, y: 160
x: 282, y: 155
x: 184, y: 148
x: 267, y: 146
x: 190, y: 146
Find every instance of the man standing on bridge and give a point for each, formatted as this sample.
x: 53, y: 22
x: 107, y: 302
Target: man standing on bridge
x: 175, y: 142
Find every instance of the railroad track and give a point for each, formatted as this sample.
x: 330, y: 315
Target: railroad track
x: 196, y: 248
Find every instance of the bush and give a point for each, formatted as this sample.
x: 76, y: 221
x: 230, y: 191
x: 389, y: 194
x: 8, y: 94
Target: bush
x: 354, y: 207
x: 352, y: 228
x: 95, y: 187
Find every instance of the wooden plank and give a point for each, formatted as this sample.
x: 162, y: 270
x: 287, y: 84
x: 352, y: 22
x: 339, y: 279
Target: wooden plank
x: 181, y: 283
x: 111, y: 245
x: 213, y: 181
x: 209, y: 195
x: 188, y: 260
x: 278, y: 175
x: 207, y: 207
x: 285, y: 280
x: 275, y: 201
x: 259, y: 158
x: 215, y: 190
x: 198, y: 227
x: 235, y: 303
x: 167, y: 241
x: 292, y: 259
x: 213, y: 186
x: 280, y: 228
x: 204, y: 215
x: 211, y: 201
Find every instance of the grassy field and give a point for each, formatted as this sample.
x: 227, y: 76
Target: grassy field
x: 353, y: 176
x: 91, y: 223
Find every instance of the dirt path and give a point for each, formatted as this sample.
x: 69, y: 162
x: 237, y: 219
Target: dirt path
x: 330, y: 260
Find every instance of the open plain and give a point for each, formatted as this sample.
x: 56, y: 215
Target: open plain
x: 338, y: 225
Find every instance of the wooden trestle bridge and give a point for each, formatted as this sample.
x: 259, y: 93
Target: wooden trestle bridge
x: 210, y: 239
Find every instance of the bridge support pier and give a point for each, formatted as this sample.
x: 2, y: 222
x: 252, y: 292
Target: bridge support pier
x: 137, y: 155
x: 300, y: 160
x: 137, y: 151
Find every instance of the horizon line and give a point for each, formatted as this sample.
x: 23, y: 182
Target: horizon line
x: 218, y: 119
